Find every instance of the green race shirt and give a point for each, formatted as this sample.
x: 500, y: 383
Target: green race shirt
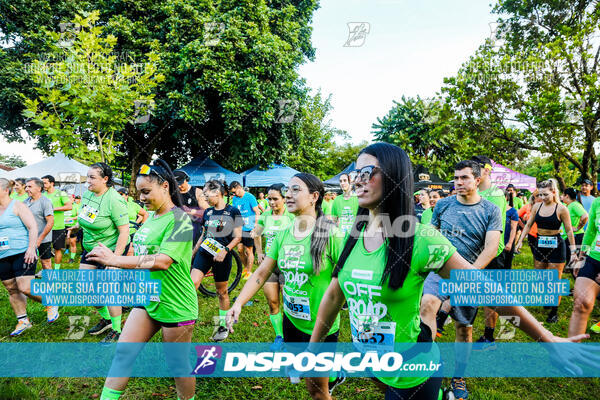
x: 426, y: 216
x: 133, y: 209
x: 345, y: 211
x: 576, y: 211
x: 100, y: 217
x: 272, y: 226
x: 384, y: 316
x: 303, y: 290
x: 58, y: 199
x: 496, y: 196
x: 71, y: 215
x: 170, y: 234
x: 517, y: 203
x: 18, y: 197
x: 264, y: 203
x: 591, y: 239
x: 326, y: 206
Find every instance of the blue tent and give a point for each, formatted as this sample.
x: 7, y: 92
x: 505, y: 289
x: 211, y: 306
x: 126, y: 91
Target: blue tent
x: 202, y: 169
x: 277, y: 173
x: 335, y: 181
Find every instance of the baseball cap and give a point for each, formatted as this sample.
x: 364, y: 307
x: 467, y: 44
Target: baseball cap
x: 181, y: 176
x: 587, y: 182
x: 483, y: 161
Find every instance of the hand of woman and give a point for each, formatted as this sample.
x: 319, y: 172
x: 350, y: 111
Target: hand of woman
x: 30, y: 255
x: 233, y: 315
x: 101, y: 254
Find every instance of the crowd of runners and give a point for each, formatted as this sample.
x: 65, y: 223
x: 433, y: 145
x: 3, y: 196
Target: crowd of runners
x: 308, y: 250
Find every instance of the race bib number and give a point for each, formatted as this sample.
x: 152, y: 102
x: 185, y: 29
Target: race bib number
x: 297, y: 307
x: 548, y: 242
x: 212, y: 246
x: 88, y: 214
x: 597, y: 248
x: 4, y: 244
x: 366, y: 329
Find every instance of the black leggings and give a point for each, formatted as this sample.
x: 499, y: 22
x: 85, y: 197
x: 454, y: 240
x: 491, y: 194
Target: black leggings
x: 428, y: 390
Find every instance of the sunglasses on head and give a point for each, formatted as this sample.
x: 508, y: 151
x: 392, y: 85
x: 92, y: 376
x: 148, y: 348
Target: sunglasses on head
x: 363, y: 174
x: 151, y: 169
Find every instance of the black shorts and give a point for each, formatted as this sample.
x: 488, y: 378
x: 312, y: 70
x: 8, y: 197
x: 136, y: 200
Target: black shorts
x: 72, y: 232
x: 80, y: 235
x: 167, y: 324
x: 291, y: 334
x: 497, y: 262
x: 555, y: 255
x: 59, y: 238
x: 14, y: 266
x: 45, y: 251
x: 464, y: 315
x: 204, y: 261
x: 277, y: 277
x: 590, y: 270
x: 247, y: 240
x: 84, y: 253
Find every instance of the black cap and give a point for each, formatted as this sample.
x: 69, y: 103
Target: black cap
x: 588, y: 182
x: 181, y: 176
x: 510, y: 185
x: 482, y: 161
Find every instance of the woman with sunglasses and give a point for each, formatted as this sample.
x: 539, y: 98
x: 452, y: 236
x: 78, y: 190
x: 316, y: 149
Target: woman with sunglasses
x: 391, y: 266
x: 269, y: 224
x: 103, y: 219
x: 305, y: 253
x: 222, y: 232
x: 163, y: 244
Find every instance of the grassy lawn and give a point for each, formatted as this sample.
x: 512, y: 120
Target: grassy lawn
x: 255, y: 327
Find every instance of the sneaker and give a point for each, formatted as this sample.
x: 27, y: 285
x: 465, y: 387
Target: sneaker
x: 38, y: 275
x: 22, y: 325
x: 246, y: 275
x: 483, y: 344
x: 439, y: 332
x: 52, y: 314
x: 552, y: 318
x: 595, y: 328
x: 221, y: 334
x: 338, y: 381
x: 100, y: 327
x: 345, y: 306
x: 112, y: 337
x: 459, y: 388
x: 277, y: 344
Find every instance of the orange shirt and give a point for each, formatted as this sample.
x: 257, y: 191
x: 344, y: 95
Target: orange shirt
x: 525, y: 213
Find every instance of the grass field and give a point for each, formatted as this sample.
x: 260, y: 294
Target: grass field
x: 255, y: 327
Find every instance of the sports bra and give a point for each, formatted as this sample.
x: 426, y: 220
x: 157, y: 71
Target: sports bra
x: 551, y: 222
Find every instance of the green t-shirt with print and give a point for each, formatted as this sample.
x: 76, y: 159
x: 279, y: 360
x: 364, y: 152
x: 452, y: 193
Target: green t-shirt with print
x: 170, y: 234
x: 345, y: 211
x: 496, y: 196
x: 303, y: 290
x: 272, y: 225
x: 380, y: 316
x: 100, y: 217
x: 71, y: 215
x: 58, y: 199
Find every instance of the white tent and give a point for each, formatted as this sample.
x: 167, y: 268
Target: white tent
x: 63, y: 169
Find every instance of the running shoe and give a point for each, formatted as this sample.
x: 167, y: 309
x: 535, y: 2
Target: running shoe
x: 100, y: 327
x: 221, y: 334
x: 439, y: 332
x: 595, y: 328
x: 112, y: 337
x: 22, y: 325
x: 277, y: 344
x: 483, y: 344
x: 38, y: 275
x: 345, y: 306
x: 338, y: 381
x: 52, y: 313
x: 459, y: 388
x: 552, y: 318
x: 246, y: 275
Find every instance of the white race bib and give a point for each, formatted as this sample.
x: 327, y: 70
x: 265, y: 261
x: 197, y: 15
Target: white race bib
x: 366, y: 329
x: 297, y: 306
x: 548, y: 242
x: 4, y: 244
x: 88, y: 214
x: 212, y: 246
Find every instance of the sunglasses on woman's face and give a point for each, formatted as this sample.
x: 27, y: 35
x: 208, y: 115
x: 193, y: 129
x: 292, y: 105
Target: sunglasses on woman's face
x: 363, y: 174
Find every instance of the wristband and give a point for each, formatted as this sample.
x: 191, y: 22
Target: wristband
x: 227, y: 249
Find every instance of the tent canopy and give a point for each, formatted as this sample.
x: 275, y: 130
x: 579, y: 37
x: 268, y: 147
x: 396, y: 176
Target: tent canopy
x: 202, y: 169
x: 501, y: 176
x: 63, y: 169
x: 335, y: 180
x: 277, y: 173
x: 424, y: 179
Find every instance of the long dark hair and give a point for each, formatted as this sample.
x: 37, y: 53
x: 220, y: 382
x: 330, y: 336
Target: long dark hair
x: 166, y: 174
x: 105, y: 171
x: 397, y: 202
x: 320, y: 235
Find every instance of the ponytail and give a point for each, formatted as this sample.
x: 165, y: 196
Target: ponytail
x: 168, y: 176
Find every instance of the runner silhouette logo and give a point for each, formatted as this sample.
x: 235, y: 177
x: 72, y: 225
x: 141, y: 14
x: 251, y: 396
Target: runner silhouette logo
x: 207, y: 359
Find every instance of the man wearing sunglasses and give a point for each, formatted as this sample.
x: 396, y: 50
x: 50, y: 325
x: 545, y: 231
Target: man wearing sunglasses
x: 345, y: 207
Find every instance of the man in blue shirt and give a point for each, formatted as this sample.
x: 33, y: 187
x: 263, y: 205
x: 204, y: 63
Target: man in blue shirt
x: 248, y: 206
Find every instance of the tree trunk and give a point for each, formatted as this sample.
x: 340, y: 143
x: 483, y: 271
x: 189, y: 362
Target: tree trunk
x: 561, y: 182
